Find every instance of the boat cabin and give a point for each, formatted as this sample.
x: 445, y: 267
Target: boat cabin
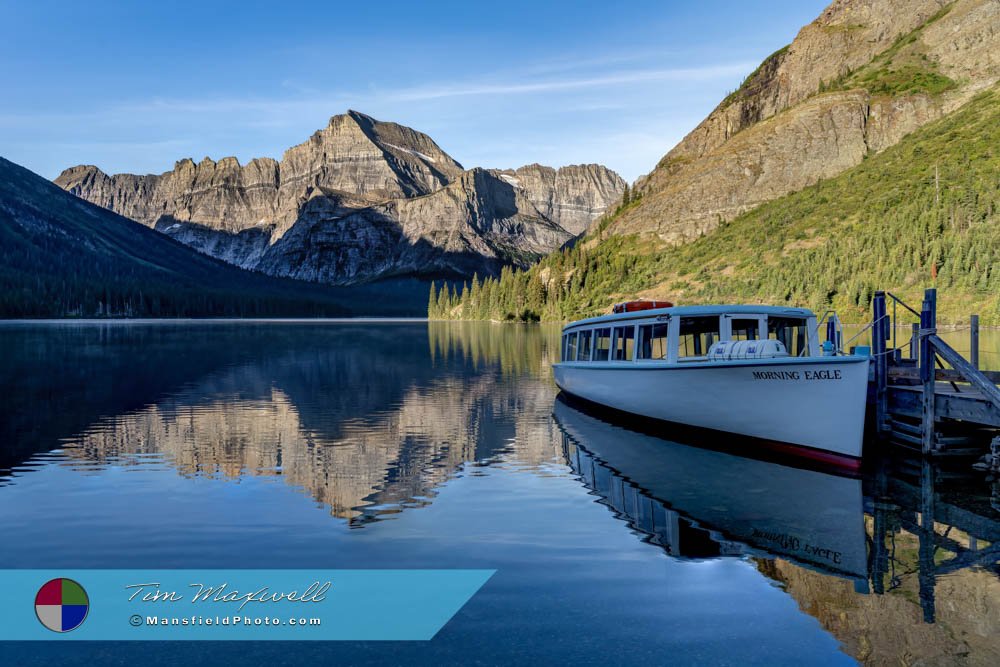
x: 692, y: 333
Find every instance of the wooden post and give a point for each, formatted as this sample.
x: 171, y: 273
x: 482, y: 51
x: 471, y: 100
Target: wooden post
x: 927, y: 543
x: 915, y: 341
x: 895, y: 321
x: 878, y: 352
x: 880, y: 528
x: 928, y: 324
x: 974, y: 341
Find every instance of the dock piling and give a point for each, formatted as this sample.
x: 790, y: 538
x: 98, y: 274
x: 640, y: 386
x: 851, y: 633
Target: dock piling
x: 928, y: 328
x: 881, y: 365
x: 974, y: 341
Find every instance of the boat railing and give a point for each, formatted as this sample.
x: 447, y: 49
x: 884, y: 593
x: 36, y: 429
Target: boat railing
x: 834, y: 332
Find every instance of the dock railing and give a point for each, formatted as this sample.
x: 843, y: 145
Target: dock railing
x: 967, y: 394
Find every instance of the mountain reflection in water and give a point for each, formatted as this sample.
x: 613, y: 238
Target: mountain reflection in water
x: 373, y: 420
x: 385, y: 445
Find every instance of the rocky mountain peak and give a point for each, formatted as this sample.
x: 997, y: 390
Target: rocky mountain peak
x: 346, y: 205
x: 358, y: 154
x: 856, y: 80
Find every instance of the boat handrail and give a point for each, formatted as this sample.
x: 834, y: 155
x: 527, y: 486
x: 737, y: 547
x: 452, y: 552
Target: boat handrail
x: 815, y: 333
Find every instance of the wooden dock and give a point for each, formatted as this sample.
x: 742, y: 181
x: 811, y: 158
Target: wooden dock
x: 926, y: 395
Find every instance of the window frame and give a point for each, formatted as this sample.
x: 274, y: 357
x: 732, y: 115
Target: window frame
x: 807, y: 324
x: 726, y: 330
x: 614, y: 342
x: 676, y: 337
x: 596, y: 336
x: 590, y: 344
x: 652, y: 324
x: 566, y: 346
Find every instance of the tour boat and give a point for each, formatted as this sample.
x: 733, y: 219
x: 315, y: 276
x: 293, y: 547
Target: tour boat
x: 758, y: 371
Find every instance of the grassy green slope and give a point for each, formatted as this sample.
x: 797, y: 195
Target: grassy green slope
x: 61, y: 256
x: 923, y: 213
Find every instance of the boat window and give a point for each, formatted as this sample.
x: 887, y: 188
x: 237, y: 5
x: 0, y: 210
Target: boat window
x: 653, y: 341
x: 570, y: 350
x: 791, y: 331
x: 624, y: 343
x: 696, y: 335
x: 744, y: 330
x: 602, y: 344
x: 583, y: 346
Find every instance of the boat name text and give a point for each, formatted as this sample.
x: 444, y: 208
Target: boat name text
x: 792, y: 543
x: 797, y: 375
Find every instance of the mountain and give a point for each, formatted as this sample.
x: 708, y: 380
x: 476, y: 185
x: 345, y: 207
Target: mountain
x: 862, y: 157
x: 361, y: 199
x: 854, y: 82
x: 476, y: 223
x: 62, y: 256
x: 572, y: 197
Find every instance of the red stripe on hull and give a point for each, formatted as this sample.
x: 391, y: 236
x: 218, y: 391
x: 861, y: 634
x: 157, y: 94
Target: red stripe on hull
x: 747, y: 446
x: 820, y: 456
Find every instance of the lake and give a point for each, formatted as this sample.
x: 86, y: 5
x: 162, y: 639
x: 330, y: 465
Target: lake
x: 371, y: 444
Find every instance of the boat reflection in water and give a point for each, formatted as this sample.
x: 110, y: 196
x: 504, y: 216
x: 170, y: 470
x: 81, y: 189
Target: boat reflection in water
x: 698, y: 502
x: 903, y: 561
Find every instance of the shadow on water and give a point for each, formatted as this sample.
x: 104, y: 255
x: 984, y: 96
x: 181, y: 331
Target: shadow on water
x: 866, y: 556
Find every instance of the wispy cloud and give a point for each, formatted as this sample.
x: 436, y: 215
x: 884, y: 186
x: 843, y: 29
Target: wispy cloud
x: 312, y: 99
x: 145, y: 134
x: 554, y: 85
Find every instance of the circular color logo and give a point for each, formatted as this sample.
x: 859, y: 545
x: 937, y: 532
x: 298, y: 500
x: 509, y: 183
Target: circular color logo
x: 61, y: 605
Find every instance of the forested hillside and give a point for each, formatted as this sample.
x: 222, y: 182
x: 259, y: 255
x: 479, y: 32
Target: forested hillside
x: 61, y: 256
x: 922, y: 213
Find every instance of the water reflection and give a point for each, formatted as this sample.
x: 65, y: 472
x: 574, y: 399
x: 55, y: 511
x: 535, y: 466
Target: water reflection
x: 353, y: 415
x: 869, y: 558
x: 371, y: 421
x: 744, y: 505
x: 517, y: 349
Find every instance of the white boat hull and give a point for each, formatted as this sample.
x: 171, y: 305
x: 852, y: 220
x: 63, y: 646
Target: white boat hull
x: 816, y: 402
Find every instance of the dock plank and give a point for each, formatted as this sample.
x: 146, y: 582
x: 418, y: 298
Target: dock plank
x: 944, y: 374
x: 968, y: 406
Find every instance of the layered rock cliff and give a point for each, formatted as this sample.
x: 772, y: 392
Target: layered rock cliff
x: 360, y: 199
x: 573, y: 196
x: 853, y: 82
x: 477, y: 223
x: 355, y: 156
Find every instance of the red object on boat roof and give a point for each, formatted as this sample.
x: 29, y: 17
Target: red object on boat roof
x: 632, y: 306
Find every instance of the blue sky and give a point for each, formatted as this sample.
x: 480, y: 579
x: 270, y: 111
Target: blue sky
x: 134, y: 86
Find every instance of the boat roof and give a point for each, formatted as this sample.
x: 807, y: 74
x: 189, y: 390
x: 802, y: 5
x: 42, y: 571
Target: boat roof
x: 692, y: 311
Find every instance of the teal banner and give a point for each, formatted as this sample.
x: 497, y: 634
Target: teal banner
x: 234, y: 605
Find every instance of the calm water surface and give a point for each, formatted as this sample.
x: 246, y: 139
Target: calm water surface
x: 371, y: 445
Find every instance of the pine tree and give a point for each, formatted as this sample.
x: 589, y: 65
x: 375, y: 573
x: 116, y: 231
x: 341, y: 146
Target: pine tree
x: 444, y: 302
x: 432, y: 303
